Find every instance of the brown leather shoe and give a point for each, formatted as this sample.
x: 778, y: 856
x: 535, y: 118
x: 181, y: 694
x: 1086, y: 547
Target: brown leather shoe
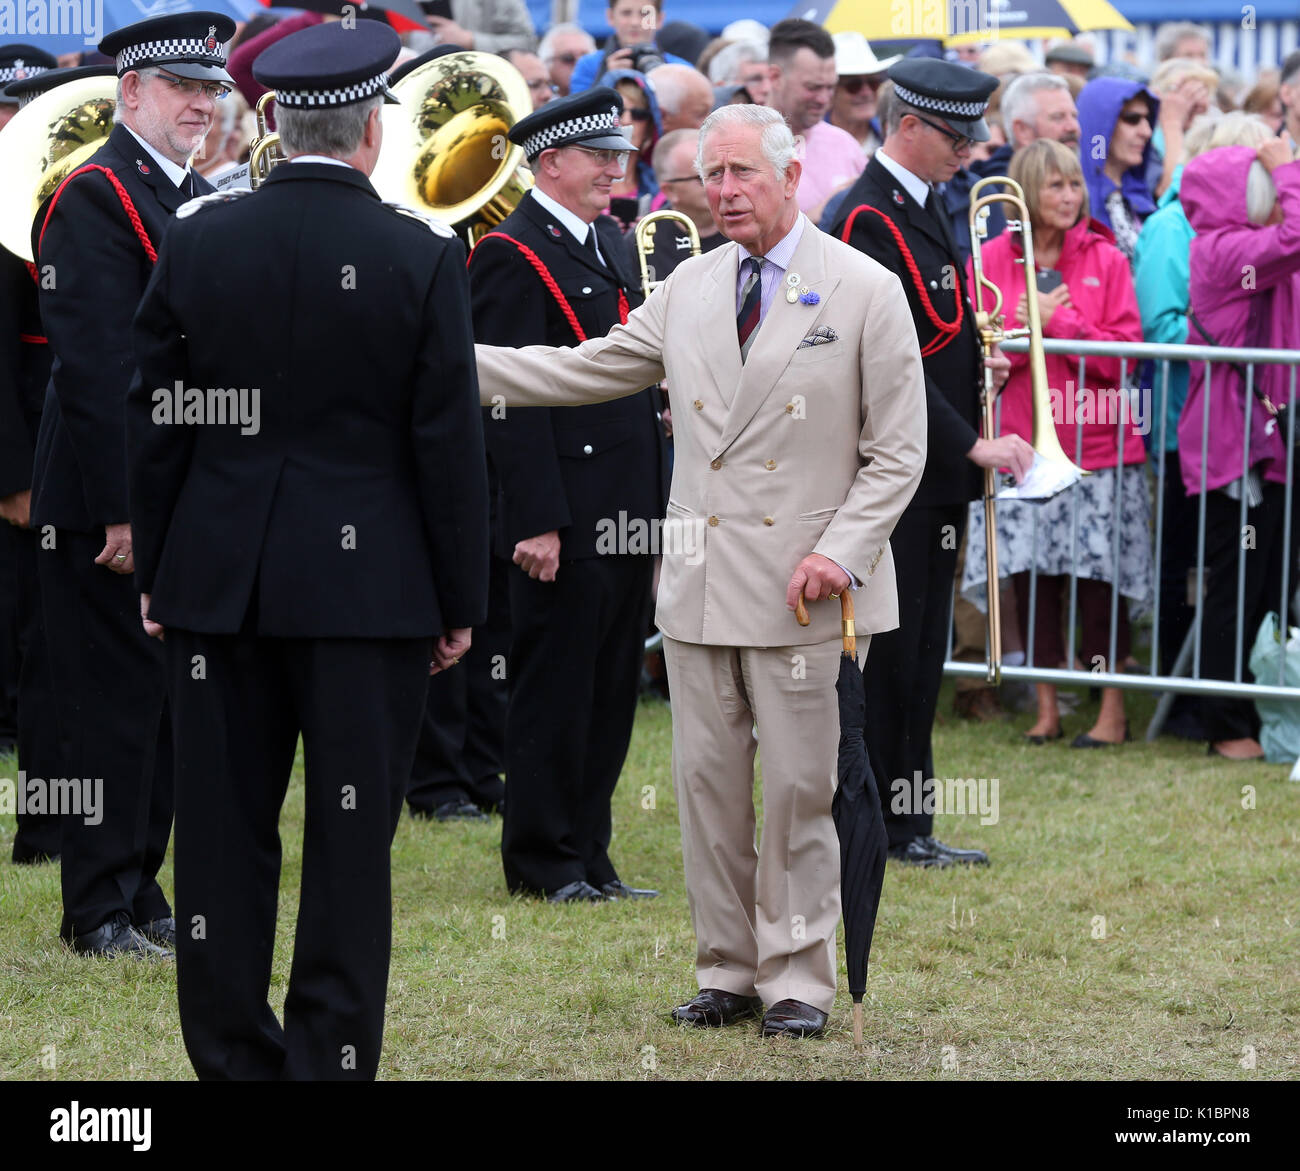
x: 712, y: 1008
x: 979, y: 703
x: 793, y: 1018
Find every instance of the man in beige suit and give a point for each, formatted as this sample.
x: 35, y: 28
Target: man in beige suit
x: 799, y: 426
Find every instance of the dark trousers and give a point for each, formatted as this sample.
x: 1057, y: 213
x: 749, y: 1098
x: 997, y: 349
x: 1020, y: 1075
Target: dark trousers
x: 461, y: 751
x: 1177, y: 561
x: 112, y: 712
x: 904, y: 667
x: 37, y: 717
x: 1236, y: 719
x: 1052, y: 609
x: 237, y: 716
x: 575, y: 665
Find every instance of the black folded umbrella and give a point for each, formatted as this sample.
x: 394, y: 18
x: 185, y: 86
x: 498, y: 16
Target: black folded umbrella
x: 864, y: 845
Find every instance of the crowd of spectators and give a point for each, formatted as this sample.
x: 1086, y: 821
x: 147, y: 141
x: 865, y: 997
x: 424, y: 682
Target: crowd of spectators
x: 1148, y: 191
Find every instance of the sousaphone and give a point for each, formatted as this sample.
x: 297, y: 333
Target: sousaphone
x: 445, y: 149
x: 43, y: 143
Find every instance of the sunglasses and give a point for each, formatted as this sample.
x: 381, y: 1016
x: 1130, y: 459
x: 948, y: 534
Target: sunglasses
x: 563, y: 58
x: 638, y: 115
x: 1135, y: 118
x: 855, y: 85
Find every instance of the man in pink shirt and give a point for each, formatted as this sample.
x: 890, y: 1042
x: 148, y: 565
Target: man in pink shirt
x: 801, y: 65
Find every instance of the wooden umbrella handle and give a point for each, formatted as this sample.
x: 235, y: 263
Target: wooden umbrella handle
x: 846, y: 620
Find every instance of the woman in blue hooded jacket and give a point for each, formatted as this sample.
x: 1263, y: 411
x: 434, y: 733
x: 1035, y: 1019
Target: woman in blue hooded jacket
x: 1116, y: 117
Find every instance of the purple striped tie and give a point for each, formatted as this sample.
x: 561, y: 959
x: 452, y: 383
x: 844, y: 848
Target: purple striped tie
x: 751, y: 306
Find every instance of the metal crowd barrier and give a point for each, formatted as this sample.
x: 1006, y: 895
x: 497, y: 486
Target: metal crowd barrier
x: 1186, y: 672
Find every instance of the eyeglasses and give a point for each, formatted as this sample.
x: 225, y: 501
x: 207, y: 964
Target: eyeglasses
x: 959, y: 142
x: 1135, y: 117
x: 603, y: 158
x: 563, y: 58
x: 854, y: 85
x: 192, y: 89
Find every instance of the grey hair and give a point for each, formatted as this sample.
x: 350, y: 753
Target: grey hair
x: 777, y: 142
x: 1168, y: 36
x: 546, y: 50
x: 336, y: 133
x: 727, y: 62
x: 1261, y: 194
x: 119, y: 110
x: 1020, y: 100
x: 1214, y: 130
x: 673, y: 84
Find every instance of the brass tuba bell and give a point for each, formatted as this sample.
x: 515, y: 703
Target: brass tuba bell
x: 445, y: 149
x: 43, y: 143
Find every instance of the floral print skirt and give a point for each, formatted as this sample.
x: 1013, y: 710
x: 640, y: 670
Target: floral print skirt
x: 1073, y: 531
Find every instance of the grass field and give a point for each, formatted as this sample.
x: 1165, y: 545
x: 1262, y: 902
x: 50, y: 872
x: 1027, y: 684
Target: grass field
x: 1007, y: 972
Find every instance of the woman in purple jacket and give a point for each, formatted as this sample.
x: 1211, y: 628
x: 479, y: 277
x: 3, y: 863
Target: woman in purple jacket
x: 1244, y: 290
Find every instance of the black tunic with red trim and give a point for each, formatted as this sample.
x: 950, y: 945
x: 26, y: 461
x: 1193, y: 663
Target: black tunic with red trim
x: 564, y: 468
x: 24, y: 372
x: 94, y: 265
x: 951, y: 356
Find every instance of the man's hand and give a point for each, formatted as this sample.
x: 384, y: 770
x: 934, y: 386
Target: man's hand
x: 116, y: 553
x: 450, y: 33
x: 152, y: 629
x: 1000, y: 364
x: 539, y: 557
x: 17, y: 508
x: 1006, y: 451
x: 819, y: 577
x: 450, y: 649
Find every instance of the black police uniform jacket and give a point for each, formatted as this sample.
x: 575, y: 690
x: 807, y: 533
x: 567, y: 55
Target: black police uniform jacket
x: 571, y: 469
x: 953, y: 375
x: 93, y: 268
x: 358, y: 507
x: 24, y: 372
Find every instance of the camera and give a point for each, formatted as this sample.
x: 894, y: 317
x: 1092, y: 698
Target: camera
x: 646, y: 58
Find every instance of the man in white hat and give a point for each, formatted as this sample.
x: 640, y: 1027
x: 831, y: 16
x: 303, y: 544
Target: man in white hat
x: 860, y: 74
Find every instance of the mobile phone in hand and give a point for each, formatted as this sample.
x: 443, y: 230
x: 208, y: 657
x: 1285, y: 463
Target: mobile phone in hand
x: 440, y: 8
x: 1049, y: 279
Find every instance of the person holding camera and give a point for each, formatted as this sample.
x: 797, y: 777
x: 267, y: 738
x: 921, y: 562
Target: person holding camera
x: 631, y: 47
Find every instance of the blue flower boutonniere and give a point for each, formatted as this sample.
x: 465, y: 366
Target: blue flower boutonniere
x: 810, y: 298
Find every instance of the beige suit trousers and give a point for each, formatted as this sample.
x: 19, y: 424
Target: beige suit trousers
x: 765, y: 913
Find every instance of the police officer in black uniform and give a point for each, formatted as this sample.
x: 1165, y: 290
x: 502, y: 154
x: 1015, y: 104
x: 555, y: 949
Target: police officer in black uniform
x: 895, y: 214
x: 95, y: 241
x: 24, y: 374
x: 575, y: 483
x: 303, y: 565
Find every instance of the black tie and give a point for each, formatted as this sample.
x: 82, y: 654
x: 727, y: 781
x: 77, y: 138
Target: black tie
x: 590, y: 245
x: 939, y: 213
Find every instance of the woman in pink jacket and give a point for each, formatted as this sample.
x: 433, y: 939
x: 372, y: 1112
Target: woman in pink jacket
x: 1244, y: 290
x: 1074, y: 531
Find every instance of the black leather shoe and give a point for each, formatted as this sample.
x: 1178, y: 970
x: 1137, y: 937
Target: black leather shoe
x: 618, y: 889
x: 956, y: 855
x: 917, y: 853
x: 161, y: 932
x: 577, y: 892
x: 712, y: 1008
x: 793, y: 1018
x: 118, y: 938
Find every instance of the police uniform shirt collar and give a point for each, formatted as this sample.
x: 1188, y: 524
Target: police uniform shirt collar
x: 914, y: 185
x: 577, y: 226
x: 177, y: 175
x: 321, y: 159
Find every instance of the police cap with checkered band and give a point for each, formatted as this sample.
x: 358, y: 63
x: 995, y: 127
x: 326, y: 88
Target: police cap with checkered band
x: 18, y: 62
x: 330, y: 65
x: 189, y: 44
x: 954, y: 94
x: 589, y: 119
x: 24, y: 90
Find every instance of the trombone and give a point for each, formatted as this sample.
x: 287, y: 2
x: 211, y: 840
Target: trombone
x: 645, y: 242
x: 989, y: 322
